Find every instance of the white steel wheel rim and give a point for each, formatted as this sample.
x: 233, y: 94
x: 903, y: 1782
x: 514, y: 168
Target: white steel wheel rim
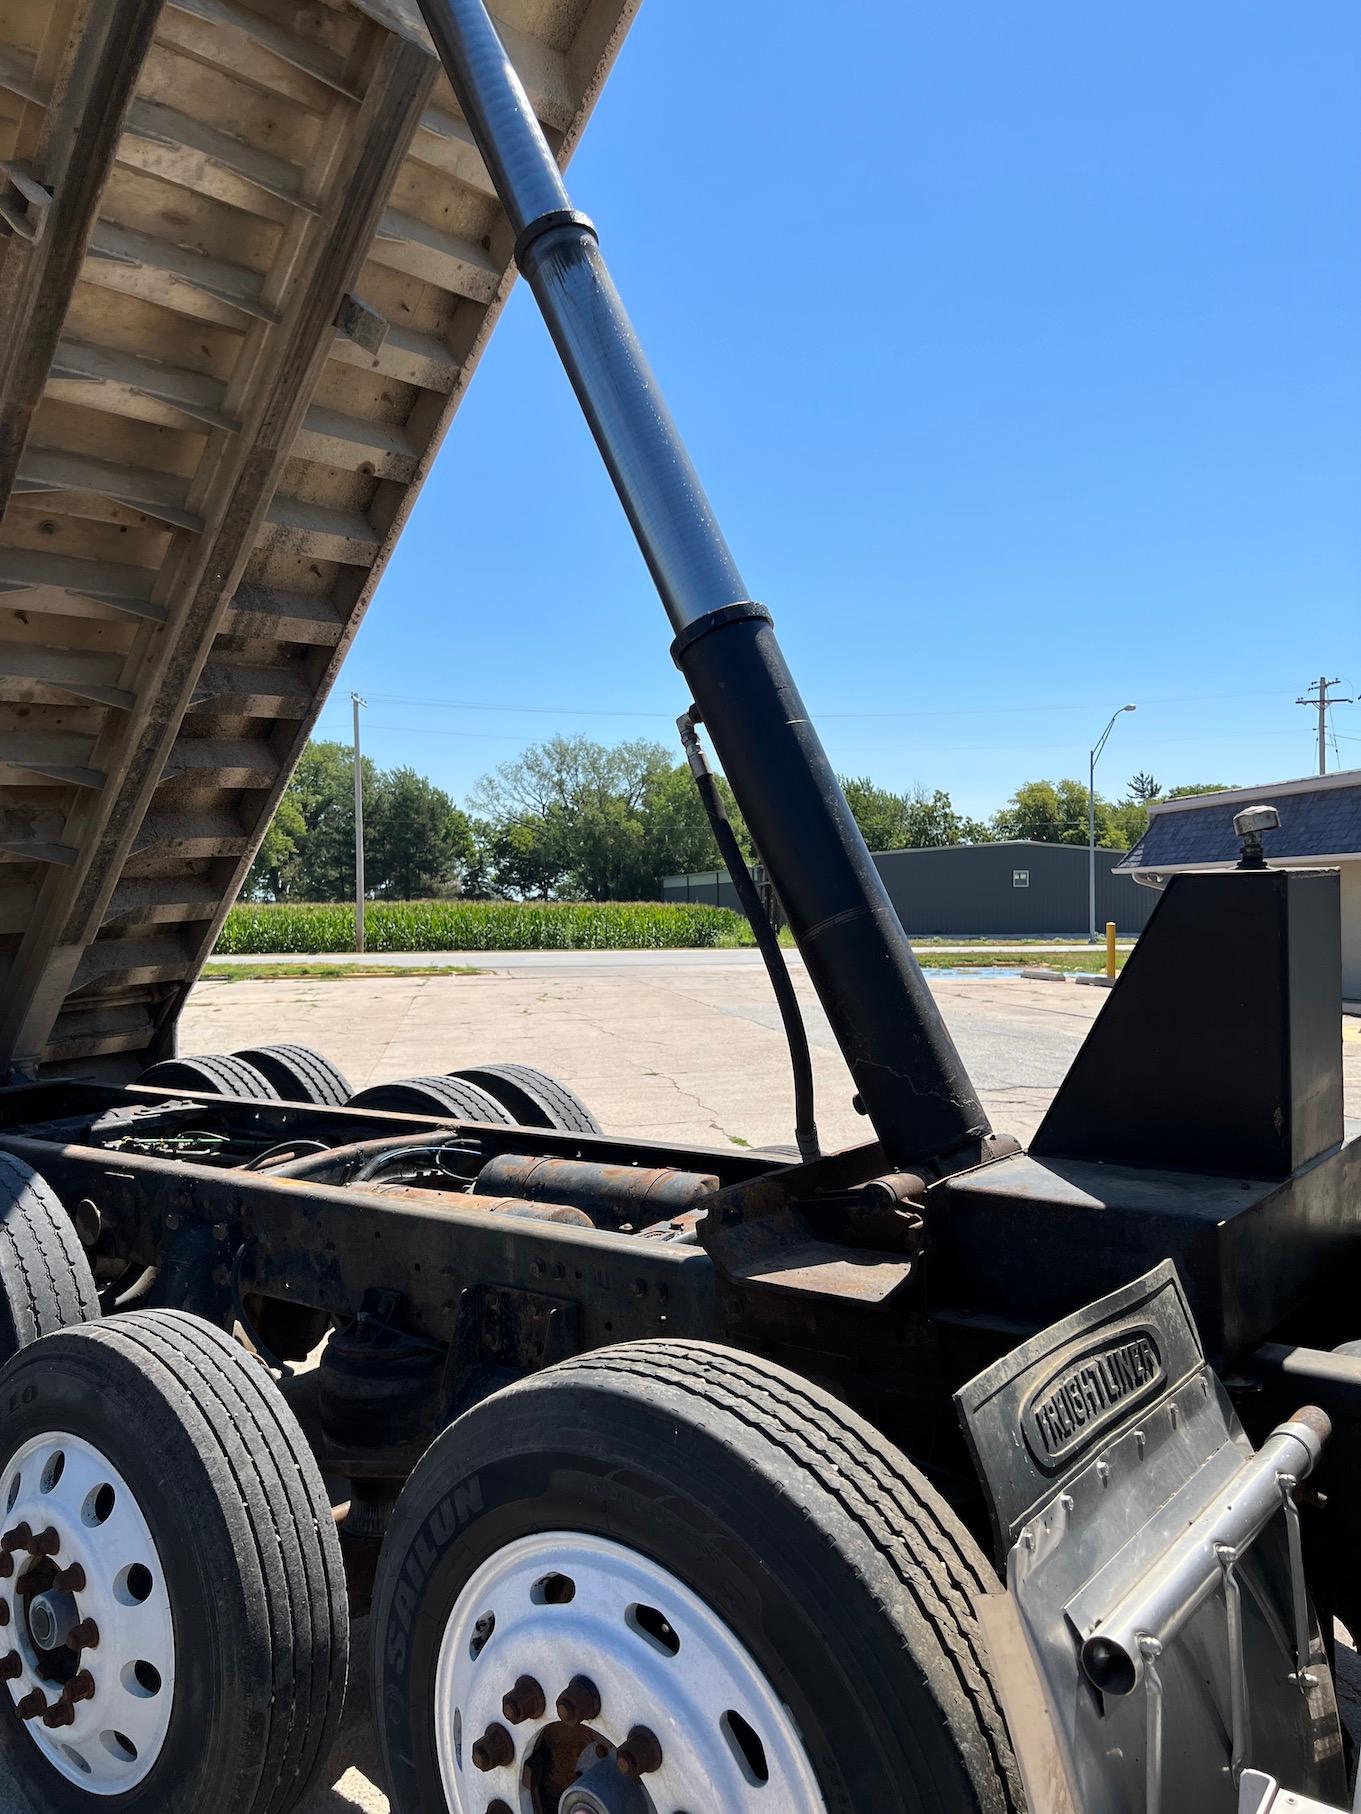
x: 505, y: 1625
x: 63, y: 1484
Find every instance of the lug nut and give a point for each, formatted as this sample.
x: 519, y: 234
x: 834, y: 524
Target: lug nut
x: 84, y: 1636
x: 70, y: 1580
x: 11, y: 1667
x: 497, y: 1807
x: 579, y: 1701
x: 46, y: 1543
x: 6, y: 1565
x: 33, y: 1703
x: 494, y: 1749
x: 640, y: 1754
x: 4, y: 1614
x: 81, y: 1687
x: 18, y: 1538
x: 60, y: 1714
x: 526, y: 1701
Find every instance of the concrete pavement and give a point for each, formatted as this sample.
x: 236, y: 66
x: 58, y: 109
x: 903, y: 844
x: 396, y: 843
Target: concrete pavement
x: 516, y: 963
x: 678, y: 1049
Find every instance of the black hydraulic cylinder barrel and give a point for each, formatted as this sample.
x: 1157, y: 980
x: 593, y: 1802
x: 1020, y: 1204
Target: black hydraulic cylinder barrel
x: 910, y: 1077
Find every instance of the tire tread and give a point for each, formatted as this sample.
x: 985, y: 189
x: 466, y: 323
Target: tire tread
x: 45, y: 1279
x: 559, y: 1107
x: 324, y: 1083
x: 934, y: 1560
x: 236, y: 1412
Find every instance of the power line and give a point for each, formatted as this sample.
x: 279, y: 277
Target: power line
x: 868, y: 749
x: 580, y: 711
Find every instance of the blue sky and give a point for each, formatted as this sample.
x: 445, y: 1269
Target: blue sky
x: 1019, y: 346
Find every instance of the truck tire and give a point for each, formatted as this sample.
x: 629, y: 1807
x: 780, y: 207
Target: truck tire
x: 215, y: 1075
x: 533, y: 1097
x: 301, y: 1075
x: 446, y: 1098
x: 185, y: 1578
x: 45, y: 1280
x: 762, y: 1584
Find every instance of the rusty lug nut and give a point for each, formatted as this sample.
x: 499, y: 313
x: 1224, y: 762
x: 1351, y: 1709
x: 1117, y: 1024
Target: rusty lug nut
x: 579, y: 1700
x: 6, y: 1565
x: 640, y: 1754
x: 70, y: 1580
x: 497, y: 1807
x: 46, y: 1543
x: 526, y: 1701
x: 494, y: 1749
x: 84, y: 1636
x: 4, y: 1614
x: 18, y: 1538
x: 81, y: 1687
x: 33, y: 1703
x: 62, y: 1713
x: 11, y: 1667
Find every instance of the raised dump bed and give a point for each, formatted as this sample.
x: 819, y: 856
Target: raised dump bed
x: 250, y: 259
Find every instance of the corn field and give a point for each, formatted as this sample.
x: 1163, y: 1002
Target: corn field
x: 253, y: 929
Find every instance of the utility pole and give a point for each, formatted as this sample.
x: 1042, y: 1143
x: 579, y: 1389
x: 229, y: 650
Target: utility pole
x: 1320, y: 698
x: 358, y: 831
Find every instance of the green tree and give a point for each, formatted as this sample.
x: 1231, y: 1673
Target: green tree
x: 575, y: 817
x: 910, y: 821
x: 271, y: 873
x: 417, y: 842
x: 323, y: 790
x: 881, y: 814
x: 1128, y: 822
x: 1143, y: 787
x: 1053, y: 812
x: 567, y: 816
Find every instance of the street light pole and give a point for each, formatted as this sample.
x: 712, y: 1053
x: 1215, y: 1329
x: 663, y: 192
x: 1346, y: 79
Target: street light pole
x: 358, y: 831
x: 1091, y: 822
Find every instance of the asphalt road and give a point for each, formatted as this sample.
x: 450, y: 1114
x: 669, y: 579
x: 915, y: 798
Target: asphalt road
x: 678, y: 1045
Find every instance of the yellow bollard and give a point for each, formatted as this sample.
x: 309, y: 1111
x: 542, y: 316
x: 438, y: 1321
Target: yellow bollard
x: 1110, y: 947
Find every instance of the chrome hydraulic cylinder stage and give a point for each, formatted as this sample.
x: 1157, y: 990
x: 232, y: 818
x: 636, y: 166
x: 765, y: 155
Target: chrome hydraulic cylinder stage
x: 910, y: 1077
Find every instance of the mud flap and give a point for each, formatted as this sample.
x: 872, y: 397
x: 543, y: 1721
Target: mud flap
x: 1155, y: 1647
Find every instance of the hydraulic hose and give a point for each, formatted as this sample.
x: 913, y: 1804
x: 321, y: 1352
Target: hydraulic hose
x: 767, y: 940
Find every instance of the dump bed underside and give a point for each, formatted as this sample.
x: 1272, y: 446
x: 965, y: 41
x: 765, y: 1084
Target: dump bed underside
x: 249, y: 258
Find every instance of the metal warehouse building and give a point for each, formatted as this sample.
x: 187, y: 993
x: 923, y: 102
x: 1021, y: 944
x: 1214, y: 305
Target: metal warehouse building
x: 1006, y: 890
